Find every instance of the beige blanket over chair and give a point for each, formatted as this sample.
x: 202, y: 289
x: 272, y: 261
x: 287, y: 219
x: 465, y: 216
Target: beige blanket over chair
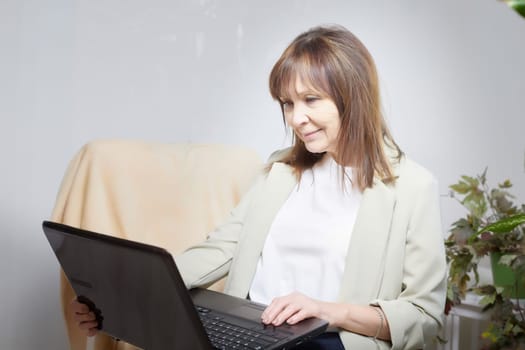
x: 170, y: 195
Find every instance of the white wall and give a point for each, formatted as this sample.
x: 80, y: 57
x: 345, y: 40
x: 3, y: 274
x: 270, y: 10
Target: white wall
x: 196, y: 71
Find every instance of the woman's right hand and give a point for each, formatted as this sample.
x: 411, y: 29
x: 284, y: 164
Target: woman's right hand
x: 84, y: 318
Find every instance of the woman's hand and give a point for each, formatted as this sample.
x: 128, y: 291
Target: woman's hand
x: 84, y: 317
x: 361, y: 319
x: 293, y: 308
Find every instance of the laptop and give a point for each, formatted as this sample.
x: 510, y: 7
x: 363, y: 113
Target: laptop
x: 139, y: 297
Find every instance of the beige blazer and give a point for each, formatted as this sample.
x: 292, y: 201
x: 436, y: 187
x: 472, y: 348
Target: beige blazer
x: 395, y: 257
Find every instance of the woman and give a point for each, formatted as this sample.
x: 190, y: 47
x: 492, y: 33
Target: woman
x: 341, y: 226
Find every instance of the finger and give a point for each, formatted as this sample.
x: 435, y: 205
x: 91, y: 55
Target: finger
x: 87, y: 317
x: 298, y: 317
x: 86, y: 326
x: 92, y: 331
x: 90, y: 316
x: 78, y: 307
x: 276, y: 307
x: 288, y: 312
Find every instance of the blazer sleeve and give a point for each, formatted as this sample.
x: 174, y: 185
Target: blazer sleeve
x: 203, y: 264
x: 416, y: 315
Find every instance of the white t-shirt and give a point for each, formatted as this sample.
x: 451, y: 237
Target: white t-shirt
x: 306, y: 247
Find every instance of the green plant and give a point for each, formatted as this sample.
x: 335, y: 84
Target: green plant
x: 517, y: 5
x: 493, y: 225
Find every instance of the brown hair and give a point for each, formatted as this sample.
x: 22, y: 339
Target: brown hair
x: 334, y: 61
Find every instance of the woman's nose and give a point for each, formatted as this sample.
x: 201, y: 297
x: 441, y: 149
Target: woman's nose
x: 298, y: 116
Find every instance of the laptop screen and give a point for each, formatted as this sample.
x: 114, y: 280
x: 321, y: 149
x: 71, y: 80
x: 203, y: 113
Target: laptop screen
x: 137, y: 288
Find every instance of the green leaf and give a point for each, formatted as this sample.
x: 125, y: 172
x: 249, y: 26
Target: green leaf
x: 504, y: 225
x: 517, y: 330
x: 505, y: 184
x: 501, y: 226
x: 475, y: 202
x: 487, y: 300
x: 461, y: 187
x: 472, y: 181
x: 517, y: 5
x: 508, y: 327
x: 491, y: 333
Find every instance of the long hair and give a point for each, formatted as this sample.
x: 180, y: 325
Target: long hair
x: 333, y: 61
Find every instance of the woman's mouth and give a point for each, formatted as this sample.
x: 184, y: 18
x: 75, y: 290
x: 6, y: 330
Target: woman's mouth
x: 310, y: 135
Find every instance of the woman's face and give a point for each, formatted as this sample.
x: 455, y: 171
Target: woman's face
x: 314, y: 118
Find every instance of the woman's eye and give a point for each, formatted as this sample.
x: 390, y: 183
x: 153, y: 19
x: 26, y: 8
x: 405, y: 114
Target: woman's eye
x: 311, y: 99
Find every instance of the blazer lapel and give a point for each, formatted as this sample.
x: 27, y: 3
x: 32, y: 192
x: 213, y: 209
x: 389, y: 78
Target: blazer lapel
x: 270, y: 199
x: 366, y: 252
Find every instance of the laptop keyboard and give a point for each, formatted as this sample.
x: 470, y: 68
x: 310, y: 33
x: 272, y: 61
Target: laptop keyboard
x: 227, y: 333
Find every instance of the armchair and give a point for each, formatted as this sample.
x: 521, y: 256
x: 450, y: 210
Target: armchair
x: 170, y: 195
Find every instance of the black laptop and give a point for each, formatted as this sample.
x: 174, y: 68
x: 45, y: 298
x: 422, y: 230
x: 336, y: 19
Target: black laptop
x: 140, y: 297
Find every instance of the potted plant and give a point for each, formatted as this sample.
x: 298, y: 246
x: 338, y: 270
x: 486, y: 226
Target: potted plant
x: 493, y: 226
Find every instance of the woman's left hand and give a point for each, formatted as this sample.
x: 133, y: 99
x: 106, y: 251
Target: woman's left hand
x: 295, y: 307
x: 292, y: 308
